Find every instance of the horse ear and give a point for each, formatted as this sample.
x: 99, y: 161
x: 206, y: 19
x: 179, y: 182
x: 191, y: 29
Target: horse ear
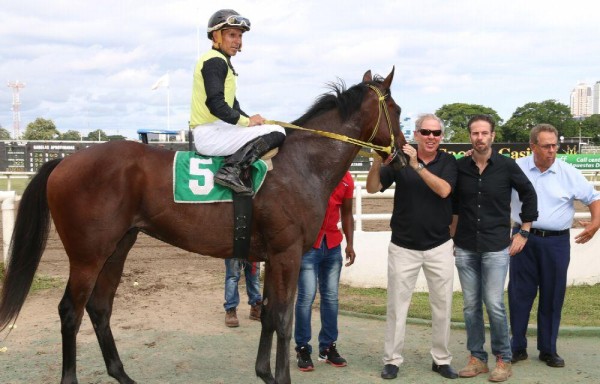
x: 388, y: 80
x: 367, y: 77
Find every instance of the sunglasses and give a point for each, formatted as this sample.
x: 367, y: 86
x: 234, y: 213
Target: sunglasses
x: 232, y: 21
x: 427, y: 132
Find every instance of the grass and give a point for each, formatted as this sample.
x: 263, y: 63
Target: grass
x: 16, y: 184
x: 581, y: 308
x: 40, y: 282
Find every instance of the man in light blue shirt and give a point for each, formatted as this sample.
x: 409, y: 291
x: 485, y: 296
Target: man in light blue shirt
x: 544, y: 260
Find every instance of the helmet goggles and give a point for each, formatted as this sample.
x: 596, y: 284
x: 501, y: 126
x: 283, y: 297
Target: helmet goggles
x: 233, y: 21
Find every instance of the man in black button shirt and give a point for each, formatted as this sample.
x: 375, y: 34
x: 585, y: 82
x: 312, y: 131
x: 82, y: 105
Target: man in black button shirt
x: 420, y: 239
x: 483, y: 243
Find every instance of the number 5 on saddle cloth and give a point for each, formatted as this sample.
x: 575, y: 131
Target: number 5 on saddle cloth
x: 193, y: 183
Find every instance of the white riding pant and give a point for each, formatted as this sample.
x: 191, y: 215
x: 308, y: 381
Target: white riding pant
x: 403, y: 269
x: 223, y: 139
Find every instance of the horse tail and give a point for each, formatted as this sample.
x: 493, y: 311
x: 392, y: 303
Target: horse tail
x: 28, y: 242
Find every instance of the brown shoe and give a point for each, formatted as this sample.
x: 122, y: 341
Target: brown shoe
x: 255, y: 311
x: 231, y: 319
x: 502, y: 371
x: 473, y: 368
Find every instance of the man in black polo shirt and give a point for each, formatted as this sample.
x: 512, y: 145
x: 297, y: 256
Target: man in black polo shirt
x: 420, y: 239
x: 484, y: 244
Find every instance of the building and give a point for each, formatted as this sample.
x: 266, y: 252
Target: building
x: 581, y: 101
x: 596, y: 99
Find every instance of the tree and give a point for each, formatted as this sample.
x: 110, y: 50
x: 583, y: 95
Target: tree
x: 457, y: 115
x: 97, y: 135
x: 116, y: 137
x: 526, y: 117
x: 590, y: 127
x: 4, y: 134
x: 41, y: 129
x: 71, y: 135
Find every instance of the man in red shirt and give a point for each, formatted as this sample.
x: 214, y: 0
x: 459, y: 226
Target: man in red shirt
x: 322, y: 265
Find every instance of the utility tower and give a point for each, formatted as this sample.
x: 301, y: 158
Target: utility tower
x: 16, y: 105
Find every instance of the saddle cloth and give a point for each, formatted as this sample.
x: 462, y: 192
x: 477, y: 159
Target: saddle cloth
x: 193, y: 178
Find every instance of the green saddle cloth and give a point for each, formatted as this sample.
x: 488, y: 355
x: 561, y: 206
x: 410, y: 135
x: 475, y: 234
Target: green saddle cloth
x: 193, y: 178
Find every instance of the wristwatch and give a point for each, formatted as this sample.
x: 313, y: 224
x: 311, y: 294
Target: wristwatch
x: 524, y: 233
x: 419, y: 168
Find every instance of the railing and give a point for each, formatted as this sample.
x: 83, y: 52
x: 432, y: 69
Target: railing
x: 360, y: 193
x: 9, y: 176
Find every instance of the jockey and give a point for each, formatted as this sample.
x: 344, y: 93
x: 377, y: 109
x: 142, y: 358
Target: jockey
x: 220, y: 126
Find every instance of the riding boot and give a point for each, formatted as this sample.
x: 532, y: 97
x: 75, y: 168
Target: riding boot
x: 234, y: 165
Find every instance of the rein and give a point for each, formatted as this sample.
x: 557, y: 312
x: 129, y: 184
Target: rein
x: 336, y: 136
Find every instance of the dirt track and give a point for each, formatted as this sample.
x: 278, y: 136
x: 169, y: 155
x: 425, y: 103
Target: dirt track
x: 165, y: 293
x: 169, y: 329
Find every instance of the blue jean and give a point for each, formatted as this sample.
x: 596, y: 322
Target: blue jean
x: 482, y: 276
x: 233, y: 272
x: 320, y: 266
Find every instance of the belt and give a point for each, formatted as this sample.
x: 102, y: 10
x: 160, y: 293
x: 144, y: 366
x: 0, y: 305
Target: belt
x: 545, y: 233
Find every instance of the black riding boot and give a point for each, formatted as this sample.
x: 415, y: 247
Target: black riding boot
x: 229, y: 174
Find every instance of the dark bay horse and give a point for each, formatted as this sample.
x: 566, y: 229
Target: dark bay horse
x: 100, y: 198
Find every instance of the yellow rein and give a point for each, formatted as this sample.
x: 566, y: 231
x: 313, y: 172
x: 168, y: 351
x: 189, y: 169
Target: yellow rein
x: 347, y: 139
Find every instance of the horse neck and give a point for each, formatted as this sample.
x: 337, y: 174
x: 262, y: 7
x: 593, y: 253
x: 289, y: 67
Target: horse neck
x: 317, y: 157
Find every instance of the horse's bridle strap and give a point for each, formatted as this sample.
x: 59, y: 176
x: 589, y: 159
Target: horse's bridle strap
x: 332, y: 135
x: 351, y: 140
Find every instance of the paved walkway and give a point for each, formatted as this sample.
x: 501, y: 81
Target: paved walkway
x: 228, y: 357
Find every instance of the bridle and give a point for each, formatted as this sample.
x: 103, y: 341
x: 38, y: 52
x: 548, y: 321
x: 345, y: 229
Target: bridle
x: 390, y: 149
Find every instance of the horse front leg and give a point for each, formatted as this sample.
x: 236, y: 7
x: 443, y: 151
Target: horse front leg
x: 279, y: 320
x: 284, y: 335
x: 277, y: 316
x: 263, y: 358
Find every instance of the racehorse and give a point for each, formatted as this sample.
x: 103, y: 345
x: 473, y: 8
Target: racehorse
x: 101, y: 197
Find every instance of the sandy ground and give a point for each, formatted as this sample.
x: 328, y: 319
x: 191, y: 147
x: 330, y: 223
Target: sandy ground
x: 168, y: 324
x: 164, y: 291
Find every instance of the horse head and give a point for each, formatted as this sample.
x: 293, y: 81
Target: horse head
x: 386, y: 131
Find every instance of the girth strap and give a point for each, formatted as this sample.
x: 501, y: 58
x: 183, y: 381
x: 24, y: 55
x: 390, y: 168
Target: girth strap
x: 242, y: 224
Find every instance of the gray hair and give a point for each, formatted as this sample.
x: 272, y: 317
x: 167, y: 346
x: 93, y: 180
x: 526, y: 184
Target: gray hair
x: 427, y: 116
x: 535, y: 132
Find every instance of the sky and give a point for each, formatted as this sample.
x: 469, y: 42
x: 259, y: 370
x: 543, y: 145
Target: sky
x: 91, y: 65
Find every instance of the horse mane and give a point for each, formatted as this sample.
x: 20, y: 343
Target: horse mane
x: 346, y: 101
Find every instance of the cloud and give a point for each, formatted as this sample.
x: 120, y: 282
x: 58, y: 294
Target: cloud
x: 90, y: 66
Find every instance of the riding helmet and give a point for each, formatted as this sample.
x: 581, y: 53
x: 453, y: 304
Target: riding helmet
x: 226, y: 18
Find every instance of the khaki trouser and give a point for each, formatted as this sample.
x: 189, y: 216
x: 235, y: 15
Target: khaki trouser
x: 403, y: 269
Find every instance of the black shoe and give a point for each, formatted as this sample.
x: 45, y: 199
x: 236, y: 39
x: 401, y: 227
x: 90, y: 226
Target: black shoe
x: 519, y: 355
x: 552, y: 359
x: 445, y: 370
x: 332, y: 356
x: 390, y: 371
x: 305, y: 363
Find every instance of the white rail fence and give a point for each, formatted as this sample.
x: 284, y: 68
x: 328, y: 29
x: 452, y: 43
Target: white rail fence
x: 370, y: 267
